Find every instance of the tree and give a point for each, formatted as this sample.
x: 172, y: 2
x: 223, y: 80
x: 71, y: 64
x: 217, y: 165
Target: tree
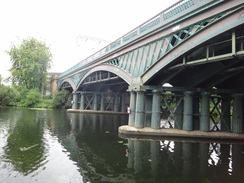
x: 61, y: 99
x: 30, y: 63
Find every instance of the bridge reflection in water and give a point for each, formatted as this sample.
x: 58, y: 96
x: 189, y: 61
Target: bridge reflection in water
x: 105, y: 157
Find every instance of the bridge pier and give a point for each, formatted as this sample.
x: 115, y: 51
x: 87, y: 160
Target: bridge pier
x: 140, y: 109
x: 189, y: 110
x: 155, y: 119
x: 75, y: 100
x: 132, y: 108
x: 82, y: 101
x: 99, y: 101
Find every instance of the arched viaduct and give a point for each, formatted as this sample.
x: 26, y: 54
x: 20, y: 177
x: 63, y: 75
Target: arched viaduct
x: 195, y: 46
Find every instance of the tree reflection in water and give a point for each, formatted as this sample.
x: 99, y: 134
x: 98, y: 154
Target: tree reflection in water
x: 25, y: 146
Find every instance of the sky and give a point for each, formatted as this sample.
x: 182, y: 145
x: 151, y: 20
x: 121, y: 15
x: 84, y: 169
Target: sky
x: 73, y: 29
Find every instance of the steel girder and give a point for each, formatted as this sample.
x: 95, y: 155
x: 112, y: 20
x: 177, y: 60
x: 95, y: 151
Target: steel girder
x: 139, y: 62
x: 169, y: 61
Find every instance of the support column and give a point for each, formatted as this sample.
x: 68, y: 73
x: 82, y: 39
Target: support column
x: 148, y: 111
x: 75, y: 100
x: 82, y: 101
x: 132, y: 108
x: 205, y: 114
x: 94, y: 104
x: 188, y: 110
x: 196, y: 114
x: 155, y: 118
x: 225, y: 113
x: 237, y: 117
x: 179, y: 113
x: 123, y: 103
x: 139, y: 113
x: 102, y: 102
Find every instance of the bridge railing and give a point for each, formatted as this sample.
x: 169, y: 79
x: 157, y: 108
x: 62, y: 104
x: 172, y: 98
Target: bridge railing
x: 173, y: 14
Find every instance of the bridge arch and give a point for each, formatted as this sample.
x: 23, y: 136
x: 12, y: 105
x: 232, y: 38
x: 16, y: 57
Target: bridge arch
x: 70, y: 82
x: 109, y: 68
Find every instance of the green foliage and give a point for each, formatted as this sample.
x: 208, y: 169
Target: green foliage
x: 29, y: 98
x: 30, y: 62
x: 8, y: 95
x: 32, y: 97
x: 62, y: 99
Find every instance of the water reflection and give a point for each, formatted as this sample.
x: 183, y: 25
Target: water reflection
x: 152, y: 160
x: 170, y: 161
x: 86, y: 148
x: 25, y: 147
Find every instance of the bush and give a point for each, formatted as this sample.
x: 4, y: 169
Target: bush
x: 8, y: 96
x: 29, y: 98
x: 62, y: 99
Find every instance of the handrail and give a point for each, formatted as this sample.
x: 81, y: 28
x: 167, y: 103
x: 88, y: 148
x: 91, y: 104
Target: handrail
x: 168, y: 15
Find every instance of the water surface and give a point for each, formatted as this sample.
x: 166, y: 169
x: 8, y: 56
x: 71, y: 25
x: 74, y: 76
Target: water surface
x: 58, y: 147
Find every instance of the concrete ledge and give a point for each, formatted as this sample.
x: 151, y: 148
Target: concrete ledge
x: 94, y: 112
x: 129, y: 131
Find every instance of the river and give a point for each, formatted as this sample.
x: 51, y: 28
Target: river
x: 52, y: 146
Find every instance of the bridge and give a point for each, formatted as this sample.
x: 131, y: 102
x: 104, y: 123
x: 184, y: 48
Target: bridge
x: 188, y: 60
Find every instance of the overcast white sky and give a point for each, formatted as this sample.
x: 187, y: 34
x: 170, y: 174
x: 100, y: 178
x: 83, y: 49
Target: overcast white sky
x: 59, y: 22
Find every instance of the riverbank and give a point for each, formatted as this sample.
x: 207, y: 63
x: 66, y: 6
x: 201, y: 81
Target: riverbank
x: 130, y: 131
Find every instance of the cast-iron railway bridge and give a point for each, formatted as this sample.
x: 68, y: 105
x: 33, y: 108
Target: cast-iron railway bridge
x: 196, y: 46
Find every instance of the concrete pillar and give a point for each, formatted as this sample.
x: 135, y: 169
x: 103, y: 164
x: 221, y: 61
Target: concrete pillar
x: 102, y: 102
x: 148, y: 111
x: 82, y: 101
x: 94, y: 103
x: 225, y: 113
x: 155, y: 118
x: 132, y: 108
x: 205, y: 114
x: 75, y: 100
x: 179, y: 113
x: 140, y: 109
x: 188, y: 110
x: 237, y: 117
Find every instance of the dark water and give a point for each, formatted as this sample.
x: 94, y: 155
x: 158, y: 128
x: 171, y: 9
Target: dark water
x: 55, y: 147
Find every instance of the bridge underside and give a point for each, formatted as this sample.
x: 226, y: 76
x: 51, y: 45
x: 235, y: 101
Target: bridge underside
x: 217, y: 63
x: 103, y: 81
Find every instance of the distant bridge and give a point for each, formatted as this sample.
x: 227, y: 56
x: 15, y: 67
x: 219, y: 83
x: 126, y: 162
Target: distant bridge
x: 197, y: 46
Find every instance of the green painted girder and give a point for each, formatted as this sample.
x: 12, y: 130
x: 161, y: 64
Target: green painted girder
x: 138, y: 61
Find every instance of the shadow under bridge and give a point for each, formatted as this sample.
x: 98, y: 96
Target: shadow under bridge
x: 101, y: 91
